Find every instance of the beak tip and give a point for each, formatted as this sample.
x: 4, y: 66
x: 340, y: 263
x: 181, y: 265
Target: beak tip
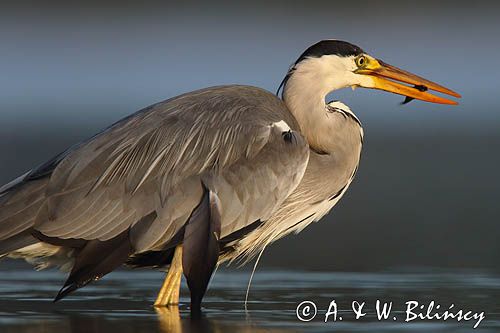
x: 450, y: 102
x: 454, y: 94
x: 388, y: 78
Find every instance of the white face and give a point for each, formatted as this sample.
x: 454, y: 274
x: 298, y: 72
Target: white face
x: 316, y: 77
x: 332, y: 72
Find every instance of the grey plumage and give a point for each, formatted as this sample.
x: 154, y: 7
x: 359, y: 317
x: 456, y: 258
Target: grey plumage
x: 135, y: 190
x: 327, y: 178
x: 227, y: 138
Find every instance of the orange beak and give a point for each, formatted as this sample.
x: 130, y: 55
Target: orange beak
x: 386, y: 77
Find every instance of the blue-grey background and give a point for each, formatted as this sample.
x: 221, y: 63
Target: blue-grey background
x: 427, y: 188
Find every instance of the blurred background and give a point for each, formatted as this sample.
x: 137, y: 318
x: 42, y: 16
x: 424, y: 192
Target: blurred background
x: 427, y: 189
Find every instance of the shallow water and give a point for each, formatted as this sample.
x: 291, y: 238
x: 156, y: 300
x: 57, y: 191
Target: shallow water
x: 121, y: 302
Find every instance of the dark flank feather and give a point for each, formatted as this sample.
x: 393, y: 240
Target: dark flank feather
x: 156, y: 259
x: 95, y: 260
x: 239, y: 234
x: 70, y: 242
x: 159, y: 259
x: 151, y: 259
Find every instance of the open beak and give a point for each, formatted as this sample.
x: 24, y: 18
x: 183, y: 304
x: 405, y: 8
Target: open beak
x: 385, y: 77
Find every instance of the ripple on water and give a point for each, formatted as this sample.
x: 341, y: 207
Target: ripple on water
x: 121, y: 302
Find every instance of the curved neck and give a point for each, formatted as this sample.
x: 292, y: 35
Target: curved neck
x: 305, y: 99
x: 305, y: 91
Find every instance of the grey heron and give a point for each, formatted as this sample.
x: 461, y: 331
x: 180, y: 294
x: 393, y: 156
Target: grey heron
x: 206, y: 177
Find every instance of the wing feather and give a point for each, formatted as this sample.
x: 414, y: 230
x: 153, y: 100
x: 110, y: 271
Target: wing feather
x: 158, y: 160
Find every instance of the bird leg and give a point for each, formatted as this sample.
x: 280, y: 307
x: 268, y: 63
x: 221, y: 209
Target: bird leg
x: 169, y: 292
x: 196, y: 257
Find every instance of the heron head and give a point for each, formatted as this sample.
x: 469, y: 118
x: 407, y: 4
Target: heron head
x: 333, y: 64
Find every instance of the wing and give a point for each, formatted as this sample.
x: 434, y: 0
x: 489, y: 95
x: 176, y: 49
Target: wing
x: 146, y: 174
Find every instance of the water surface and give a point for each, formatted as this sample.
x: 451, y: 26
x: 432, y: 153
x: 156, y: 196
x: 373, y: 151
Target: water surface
x: 121, y: 302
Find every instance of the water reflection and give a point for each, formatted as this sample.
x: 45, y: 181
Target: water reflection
x: 169, y: 319
x: 122, y: 302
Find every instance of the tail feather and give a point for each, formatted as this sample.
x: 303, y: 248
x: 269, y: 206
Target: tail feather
x: 17, y: 242
x: 20, y: 203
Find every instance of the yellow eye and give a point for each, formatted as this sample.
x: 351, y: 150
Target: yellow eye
x: 361, y: 61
